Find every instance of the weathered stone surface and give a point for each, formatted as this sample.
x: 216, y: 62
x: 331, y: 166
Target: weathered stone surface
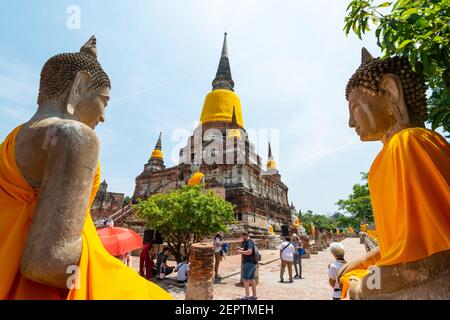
x: 201, y: 271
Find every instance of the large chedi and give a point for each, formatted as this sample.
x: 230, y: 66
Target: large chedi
x: 220, y: 155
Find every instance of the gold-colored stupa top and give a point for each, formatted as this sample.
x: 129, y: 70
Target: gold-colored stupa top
x: 234, y: 133
x: 218, y: 106
x: 271, y: 164
x: 157, y: 152
x: 219, y: 103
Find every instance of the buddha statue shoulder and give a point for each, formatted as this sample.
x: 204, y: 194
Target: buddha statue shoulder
x: 409, y: 183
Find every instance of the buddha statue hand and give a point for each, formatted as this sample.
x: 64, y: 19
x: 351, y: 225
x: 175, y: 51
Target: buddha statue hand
x: 355, y: 289
x: 362, y: 263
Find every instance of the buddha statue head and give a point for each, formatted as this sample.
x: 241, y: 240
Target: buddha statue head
x: 385, y: 96
x: 76, y: 85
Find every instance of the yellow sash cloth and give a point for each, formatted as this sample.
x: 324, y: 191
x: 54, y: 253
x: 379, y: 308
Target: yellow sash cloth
x: 101, y: 275
x: 195, y: 179
x: 409, y: 184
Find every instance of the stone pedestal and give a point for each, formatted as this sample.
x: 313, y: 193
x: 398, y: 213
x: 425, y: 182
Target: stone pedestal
x: 201, y: 272
x: 305, y: 242
x: 274, y: 241
x: 329, y: 238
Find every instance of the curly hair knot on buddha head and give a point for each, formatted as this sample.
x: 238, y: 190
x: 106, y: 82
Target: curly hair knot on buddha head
x: 367, y: 78
x: 60, y: 71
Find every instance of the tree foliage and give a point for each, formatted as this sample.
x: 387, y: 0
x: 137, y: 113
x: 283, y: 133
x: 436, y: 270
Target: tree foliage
x: 418, y: 30
x: 319, y: 220
x: 358, y: 204
x: 326, y: 222
x: 186, y: 216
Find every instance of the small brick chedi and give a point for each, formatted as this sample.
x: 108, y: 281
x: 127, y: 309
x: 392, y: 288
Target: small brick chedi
x: 220, y: 149
x: 106, y: 203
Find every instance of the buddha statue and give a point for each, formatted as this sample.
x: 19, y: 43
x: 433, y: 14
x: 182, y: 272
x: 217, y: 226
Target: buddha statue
x: 409, y: 183
x: 49, y: 176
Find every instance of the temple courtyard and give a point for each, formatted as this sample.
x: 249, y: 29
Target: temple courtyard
x: 314, y: 285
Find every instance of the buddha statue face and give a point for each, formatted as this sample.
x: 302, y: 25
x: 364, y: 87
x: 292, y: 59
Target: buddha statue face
x: 370, y: 115
x: 384, y: 97
x: 87, y: 105
x: 91, y: 109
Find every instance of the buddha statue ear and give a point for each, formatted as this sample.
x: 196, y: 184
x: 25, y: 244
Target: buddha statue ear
x: 80, y: 87
x: 391, y: 87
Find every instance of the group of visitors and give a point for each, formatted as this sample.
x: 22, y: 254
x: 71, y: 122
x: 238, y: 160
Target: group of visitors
x: 148, y: 269
x: 291, y: 252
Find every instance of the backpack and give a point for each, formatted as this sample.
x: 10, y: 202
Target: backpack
x: 256, y: 254
x: 225, y: 248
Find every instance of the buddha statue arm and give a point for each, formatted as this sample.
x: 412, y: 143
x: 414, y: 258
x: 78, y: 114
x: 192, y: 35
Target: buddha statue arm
x: 54, y: 241
x: 362, y: 263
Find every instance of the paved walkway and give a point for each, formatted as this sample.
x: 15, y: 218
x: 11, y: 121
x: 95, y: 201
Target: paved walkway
x: 314, y: 286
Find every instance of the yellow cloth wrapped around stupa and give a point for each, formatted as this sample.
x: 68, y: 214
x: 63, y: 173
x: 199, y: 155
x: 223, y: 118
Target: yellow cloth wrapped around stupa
x: 409, y: 184
x: 157, y: 154
x: 101, y: 275
x: 218, y: 106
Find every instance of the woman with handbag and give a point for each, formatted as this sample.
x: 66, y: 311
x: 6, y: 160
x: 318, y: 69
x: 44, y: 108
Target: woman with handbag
x: 299, y: 251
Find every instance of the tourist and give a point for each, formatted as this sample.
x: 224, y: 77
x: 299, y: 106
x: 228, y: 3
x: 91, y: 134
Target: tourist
x: 145, y: 261
x: 338, y: 251
x: 287, y: 251
x: 249, y: 266
x: 182, y: 271
x: 298, y: 246
x: 162, y: 268
x: 127, y: 259
x: 218, y: 253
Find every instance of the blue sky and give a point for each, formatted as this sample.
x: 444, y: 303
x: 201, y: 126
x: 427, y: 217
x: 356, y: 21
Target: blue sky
x: 290, y: 61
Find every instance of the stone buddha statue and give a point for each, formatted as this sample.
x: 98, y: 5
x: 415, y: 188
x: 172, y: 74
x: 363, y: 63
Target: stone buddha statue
x: 49, y: 175
x: 409, y: 184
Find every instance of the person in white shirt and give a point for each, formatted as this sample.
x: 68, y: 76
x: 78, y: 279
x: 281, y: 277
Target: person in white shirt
x: 182, y: 270
x: 287, y: 252
x: 338, y: 251
x: 217, y: 255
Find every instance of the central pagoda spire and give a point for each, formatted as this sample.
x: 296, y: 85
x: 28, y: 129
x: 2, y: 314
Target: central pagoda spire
x: 223, y: 78
x: 222, y: 100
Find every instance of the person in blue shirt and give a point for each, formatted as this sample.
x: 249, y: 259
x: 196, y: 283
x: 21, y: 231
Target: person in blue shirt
x: 249, y: 266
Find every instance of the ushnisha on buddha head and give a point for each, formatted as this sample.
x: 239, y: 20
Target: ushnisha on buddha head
x: 76, y: 83
x: 385, y: 96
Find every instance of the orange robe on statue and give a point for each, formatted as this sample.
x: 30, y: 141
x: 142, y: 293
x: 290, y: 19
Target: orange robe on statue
x: 101, y: 276
x: 409, y: 184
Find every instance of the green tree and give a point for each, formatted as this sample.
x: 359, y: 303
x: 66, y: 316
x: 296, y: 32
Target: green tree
x: 186, y: 216
x: 418, y: 30
x: 319, y: 220
x: 358, y: 204
x: 343, y: 221
x: 126, y: 201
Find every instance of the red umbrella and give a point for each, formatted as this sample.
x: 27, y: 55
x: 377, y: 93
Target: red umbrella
x: 119, y: 241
